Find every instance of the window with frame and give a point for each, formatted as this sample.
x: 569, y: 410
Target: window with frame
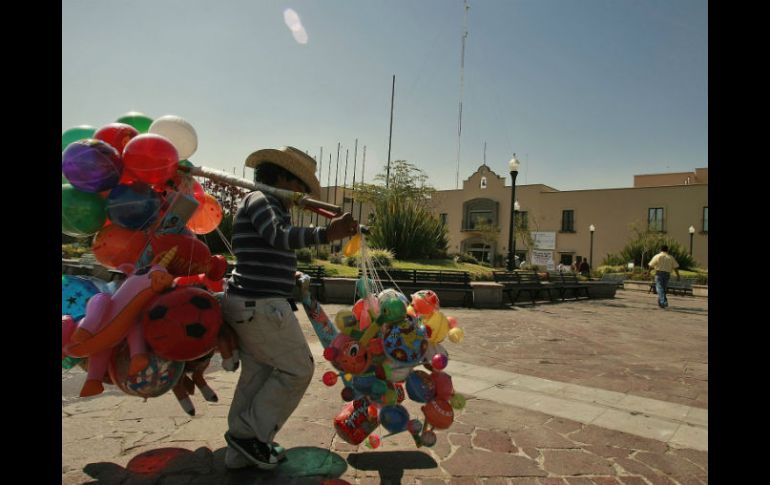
x: 522, y: 220
x: 442, y: 217
x: 705, y: 219
x: 568, y: 221
x: 655, y: 219
x: 475, y: 218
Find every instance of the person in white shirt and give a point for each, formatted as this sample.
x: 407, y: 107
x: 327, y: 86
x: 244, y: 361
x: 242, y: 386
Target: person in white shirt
x: 663, y: 263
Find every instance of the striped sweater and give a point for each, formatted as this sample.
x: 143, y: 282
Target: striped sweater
x: 264, y: 242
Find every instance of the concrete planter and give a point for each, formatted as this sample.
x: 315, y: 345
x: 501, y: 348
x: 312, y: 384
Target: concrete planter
x: 635, y: 285
x: 700, y: 290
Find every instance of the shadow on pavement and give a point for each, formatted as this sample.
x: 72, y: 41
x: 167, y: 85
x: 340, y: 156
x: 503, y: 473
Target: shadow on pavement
x: 391, y: 464
x: 304, y: 466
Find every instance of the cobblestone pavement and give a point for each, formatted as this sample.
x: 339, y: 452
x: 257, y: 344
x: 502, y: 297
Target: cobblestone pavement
x: 624, y: 347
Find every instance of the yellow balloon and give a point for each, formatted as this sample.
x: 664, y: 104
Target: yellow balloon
x: 345, y: 321
x: 439, y: 327
x: 353, y: 245
x: 456, y: 335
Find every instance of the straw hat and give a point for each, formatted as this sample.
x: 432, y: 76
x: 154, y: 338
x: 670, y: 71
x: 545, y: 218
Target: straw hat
x: 291, y: 159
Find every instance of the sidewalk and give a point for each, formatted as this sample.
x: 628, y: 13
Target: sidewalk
x: 604, y: 392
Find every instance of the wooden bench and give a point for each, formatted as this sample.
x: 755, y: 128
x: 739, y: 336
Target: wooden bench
x: 438, y: 281
x: 514, y: 282
x: 317, y: 275
x: 681, y: 287
x: 617, y: 278
x: 569, y: 281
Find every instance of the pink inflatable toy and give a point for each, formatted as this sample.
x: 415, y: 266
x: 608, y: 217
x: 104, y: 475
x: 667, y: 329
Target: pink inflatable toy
x: 111, y: 318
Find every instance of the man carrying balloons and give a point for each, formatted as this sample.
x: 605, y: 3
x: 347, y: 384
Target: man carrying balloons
x: 277, y: 365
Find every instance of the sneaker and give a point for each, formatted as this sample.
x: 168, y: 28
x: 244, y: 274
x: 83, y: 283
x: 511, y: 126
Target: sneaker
x: 258, y: 453
x: 278, y: 451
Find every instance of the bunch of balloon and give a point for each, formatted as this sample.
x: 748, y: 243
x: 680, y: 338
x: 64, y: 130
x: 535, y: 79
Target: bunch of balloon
x: 380, y: 342
x: 121, y: 185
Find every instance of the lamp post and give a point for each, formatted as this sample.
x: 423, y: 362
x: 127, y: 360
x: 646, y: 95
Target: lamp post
x: 591, y: 228
x: 513, y: 166
x: 692, y: 233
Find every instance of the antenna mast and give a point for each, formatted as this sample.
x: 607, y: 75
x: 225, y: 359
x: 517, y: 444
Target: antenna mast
x: 460, y: 115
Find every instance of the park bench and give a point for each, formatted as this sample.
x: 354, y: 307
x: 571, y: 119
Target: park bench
x: 409, y: 280
x: 680, y: 287
x: 569, y: 281
x: 317, y: 275
x: 514, y: 282
x: 617, y: 278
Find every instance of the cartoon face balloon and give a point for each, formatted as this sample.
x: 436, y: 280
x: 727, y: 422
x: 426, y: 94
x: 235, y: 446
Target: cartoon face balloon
x: 351, y: 356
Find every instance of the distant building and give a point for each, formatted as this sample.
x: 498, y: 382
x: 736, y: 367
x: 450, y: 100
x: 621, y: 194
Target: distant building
x: 559, y: 220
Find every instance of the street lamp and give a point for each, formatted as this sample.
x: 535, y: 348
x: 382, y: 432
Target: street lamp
x: 513, y: 166
x: 692, y: 232
x: 591, y: 228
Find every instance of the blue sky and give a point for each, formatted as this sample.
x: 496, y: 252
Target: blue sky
x: 587, y: 93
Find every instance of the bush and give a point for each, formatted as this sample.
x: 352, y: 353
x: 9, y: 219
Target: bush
x: 465, y: 258
x: 336, y: 258
x: 380, y: 258
x: 407, y: 227
x: 621, y: 268
x: 323, y: 253
x: 304, y: 255
x: 648, y: 246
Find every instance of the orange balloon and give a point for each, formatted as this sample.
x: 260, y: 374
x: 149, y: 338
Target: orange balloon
x: 115, y: 245
x: 207, y: 216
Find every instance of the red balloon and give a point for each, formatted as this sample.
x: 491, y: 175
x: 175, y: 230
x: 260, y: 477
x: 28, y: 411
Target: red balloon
x: 115, y: 245
x: 192, y: 255
x: 439, y: 413
x: 149, y: 158
x: 330, y: 378
x: 182, y: 324
x: 117, y: 135
x: 443, y: 384
x: 217, y: 267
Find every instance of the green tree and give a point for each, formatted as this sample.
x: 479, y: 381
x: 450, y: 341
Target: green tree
x: 403, y: 221
x: 644, y: 244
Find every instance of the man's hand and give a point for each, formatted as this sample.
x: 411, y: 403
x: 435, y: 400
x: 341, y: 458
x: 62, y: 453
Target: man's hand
x: 341, y: 227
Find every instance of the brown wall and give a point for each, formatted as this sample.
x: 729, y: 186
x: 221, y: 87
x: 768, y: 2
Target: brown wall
x: 611, y: 211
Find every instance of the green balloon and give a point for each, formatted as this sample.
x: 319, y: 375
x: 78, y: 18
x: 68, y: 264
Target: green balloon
x: 138, y: 120
x: 185, y: 163
x: 82, y: 213
x: 77, y: 133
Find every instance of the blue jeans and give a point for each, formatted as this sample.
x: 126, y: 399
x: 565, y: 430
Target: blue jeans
x: 661, y: 283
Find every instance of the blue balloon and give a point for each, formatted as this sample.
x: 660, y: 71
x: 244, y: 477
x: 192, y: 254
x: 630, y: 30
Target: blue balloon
x: 394, y: 418
x: 134, y: 206
x: 420, y: 386
x: 75, y: 293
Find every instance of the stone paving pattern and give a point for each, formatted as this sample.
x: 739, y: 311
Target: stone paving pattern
x: 625, y: 344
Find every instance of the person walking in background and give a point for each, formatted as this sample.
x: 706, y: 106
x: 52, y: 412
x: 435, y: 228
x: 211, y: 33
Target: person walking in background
x: 663, y: 263
x: 585, y: 269
x: 277, y: 365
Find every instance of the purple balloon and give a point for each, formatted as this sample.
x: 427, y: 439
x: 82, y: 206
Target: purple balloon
x: 91, y: 165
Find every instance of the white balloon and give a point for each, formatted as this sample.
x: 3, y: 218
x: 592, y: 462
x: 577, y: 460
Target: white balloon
x: 179, y: 132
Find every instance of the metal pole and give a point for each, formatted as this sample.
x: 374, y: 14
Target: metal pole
x: 511, y: 230
x: 591, y: 252
x: 691, y: 235
x: 363, y: 168
x: 337, y: 173
x: 390, y: 137
x: 352, y: 195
